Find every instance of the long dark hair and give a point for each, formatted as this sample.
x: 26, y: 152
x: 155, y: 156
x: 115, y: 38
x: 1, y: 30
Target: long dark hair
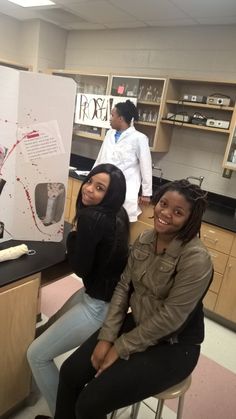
x: 196, y: 197
x: 115, y: 195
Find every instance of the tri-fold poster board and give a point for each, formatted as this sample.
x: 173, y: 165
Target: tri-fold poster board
x: 36, y: 122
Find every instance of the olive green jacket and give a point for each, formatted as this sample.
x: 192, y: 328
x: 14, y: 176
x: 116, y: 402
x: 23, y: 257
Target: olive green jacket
x: 167, y: 289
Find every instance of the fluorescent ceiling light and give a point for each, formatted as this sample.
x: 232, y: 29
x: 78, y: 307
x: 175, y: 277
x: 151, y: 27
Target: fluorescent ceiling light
x: 32, y: 3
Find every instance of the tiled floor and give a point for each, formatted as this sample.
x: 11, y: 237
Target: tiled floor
x: 212, y: 394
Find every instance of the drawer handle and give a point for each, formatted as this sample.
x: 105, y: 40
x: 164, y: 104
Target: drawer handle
x: 210, y: 239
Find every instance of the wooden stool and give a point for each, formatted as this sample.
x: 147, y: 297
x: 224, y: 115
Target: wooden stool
x: 178, y: 390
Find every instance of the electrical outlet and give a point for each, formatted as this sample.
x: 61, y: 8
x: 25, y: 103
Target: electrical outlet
x: 227, y: 173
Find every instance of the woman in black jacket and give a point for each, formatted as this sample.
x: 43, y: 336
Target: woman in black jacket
x: 97, y: 250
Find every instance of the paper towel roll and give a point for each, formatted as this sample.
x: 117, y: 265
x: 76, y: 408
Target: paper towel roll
x: 13, y: 252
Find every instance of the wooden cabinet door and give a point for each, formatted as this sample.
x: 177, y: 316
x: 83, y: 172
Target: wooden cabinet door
x: 216, y: 238
x: 209, y: 300
x: 68, y: 199
x: 137, y: 228
x: 211, y: 296
x: 226, y: 301
x: 18, y: 308
x: 233, y: 250
x: 219, y: 260
x: 147, y: 214
x: 76, y: 184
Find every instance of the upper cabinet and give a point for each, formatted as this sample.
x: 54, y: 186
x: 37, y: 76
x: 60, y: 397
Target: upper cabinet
x: 88, y: 84
x: 230, y: 153
x: 203, y: 105
x: 149, y: 93
x: 164, y: 104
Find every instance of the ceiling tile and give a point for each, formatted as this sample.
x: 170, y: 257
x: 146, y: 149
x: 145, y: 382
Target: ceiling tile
x: 172, y: 22
x: 85, y: 26
x: 60, y: 15
x: 207, y: 8
x: 100, y: 11
x: 125, y: 25
x: 111, y: 14
x: 150, y: 9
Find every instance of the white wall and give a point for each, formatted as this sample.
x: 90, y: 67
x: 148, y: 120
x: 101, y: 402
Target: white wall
x: 34, y: 43
x: 199, y: 52
x: 51, y: 47
x: 9, y: 33
x: 28, y: 42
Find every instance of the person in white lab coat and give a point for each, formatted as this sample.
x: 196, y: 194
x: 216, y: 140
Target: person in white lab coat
x: 128, y: 149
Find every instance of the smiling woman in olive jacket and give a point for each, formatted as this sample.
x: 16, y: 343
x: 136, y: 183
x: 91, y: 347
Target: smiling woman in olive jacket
x: 155, y: 346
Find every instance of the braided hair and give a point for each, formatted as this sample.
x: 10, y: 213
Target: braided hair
x: 127, y: 110
x: 198, y: 201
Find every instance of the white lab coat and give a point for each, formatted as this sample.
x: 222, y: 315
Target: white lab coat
x: 132, y: 155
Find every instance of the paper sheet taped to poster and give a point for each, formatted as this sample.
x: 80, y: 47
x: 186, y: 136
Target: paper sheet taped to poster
x: 40, y: 141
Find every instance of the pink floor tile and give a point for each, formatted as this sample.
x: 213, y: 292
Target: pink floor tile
x: 55, y: 294
x: 212, y: 394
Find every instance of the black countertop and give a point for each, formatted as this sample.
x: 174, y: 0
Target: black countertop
x: 221, y: 210
x: 48, y: 254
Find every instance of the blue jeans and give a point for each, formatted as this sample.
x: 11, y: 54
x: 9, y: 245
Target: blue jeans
x: 82, y: 315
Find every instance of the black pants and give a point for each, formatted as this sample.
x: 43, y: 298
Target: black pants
x: 81, y: 396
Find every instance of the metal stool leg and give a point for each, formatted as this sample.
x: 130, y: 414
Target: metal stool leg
x: 160, y: 406
x: 134, y: 410
x: 180, y: 407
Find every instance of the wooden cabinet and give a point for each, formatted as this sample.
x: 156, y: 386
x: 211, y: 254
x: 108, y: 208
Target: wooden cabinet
x: 68, y: 199
x: 226, y: 301
x: 144, y: 222
x: 149, y: 92
x: 72, y: 193
x: 18, y: 308
x: 229, y: 161
x: 217, y: 238
x: 233, y: 250
x: 88, y: 84
x: 207, y: 106
x: 221, y: 296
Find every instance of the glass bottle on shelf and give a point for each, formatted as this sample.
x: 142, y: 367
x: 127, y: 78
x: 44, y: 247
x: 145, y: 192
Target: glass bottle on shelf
x: 155, y: 97
x: 155, y: 116
x: 144, y: 115
x: 150, y: 116
x: 148, y: 95
x: 141, y: 92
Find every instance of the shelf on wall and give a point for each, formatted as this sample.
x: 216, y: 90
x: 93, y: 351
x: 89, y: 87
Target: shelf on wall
x: 201, y: 127
x: 200, y: 105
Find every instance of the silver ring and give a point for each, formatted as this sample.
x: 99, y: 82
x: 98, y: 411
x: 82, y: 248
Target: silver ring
x: 31, y: 252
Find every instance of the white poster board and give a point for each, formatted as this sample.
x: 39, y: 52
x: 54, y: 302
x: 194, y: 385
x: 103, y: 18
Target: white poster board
x: 95, y: 110
x: 36, y: 122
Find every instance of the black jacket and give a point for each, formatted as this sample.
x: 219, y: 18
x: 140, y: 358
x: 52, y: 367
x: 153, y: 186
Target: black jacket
x: 98, y: 250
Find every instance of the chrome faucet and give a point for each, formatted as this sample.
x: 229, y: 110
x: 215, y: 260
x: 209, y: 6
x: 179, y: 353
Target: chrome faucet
x: 160, y: 170
x: 199, y: 178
